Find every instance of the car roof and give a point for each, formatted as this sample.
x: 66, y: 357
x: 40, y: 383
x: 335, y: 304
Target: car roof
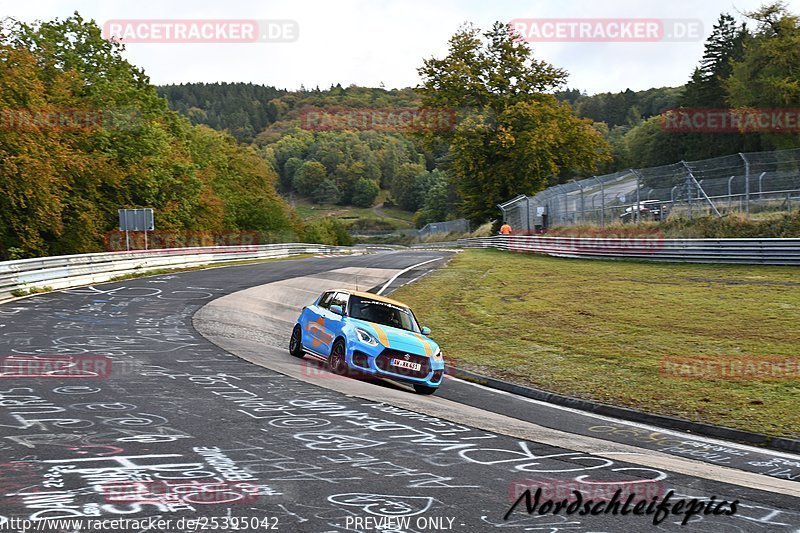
x: 371, y: 296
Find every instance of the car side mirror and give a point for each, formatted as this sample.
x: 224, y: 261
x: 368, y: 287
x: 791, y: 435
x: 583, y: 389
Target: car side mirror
x: 426, y: 330
x: 338, y: 309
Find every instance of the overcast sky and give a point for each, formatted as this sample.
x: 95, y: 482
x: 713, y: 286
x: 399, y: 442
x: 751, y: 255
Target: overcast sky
x: 366, y: 42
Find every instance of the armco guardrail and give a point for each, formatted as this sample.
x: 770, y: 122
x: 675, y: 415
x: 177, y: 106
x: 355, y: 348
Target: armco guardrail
x: 742, y: 251
x: 74, y: 270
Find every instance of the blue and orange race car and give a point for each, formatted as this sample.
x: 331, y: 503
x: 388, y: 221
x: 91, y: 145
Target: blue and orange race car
x: 369, y: 334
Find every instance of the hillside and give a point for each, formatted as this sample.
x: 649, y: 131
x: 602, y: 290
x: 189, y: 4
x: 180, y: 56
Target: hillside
x: 356, y: 168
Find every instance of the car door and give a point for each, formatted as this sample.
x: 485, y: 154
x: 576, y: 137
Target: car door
x: 334, y: 322
x: 314, y: 334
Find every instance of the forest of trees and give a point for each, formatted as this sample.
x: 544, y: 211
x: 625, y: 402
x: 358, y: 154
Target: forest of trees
x: 351, y: 167
x: 329, y: 167
x: 742, y: 67
x: 84, y: 133
x: 622, y: 108
x: 737, y: 60
x: 244, y: 109
x: 513, y: 134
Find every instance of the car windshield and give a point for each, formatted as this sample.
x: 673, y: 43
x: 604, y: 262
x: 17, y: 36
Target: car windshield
x: 383, y: 313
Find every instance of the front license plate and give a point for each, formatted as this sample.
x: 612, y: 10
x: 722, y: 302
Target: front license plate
x: 406, y: 364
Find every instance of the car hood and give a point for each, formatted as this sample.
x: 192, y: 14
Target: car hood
x: 399, y: 339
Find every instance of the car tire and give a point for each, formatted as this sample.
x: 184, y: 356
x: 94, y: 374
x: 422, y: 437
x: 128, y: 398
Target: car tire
x: 296, y: 342
x: 336, y: 360
x: 424, y: 389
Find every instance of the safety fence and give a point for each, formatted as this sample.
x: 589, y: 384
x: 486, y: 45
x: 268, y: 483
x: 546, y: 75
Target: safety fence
x: 449, y: 226
x: 645, y: 248
x: 746, y: 183
x: 74, y: 270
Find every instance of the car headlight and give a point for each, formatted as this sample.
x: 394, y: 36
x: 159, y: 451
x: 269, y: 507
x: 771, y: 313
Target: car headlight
x: 366, y: 337
x: 438, y: 355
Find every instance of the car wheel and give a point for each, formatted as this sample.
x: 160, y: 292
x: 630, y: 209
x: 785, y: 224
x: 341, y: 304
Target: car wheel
x: 336, y: 361
x: 424, y: 389
x: 296, y: 342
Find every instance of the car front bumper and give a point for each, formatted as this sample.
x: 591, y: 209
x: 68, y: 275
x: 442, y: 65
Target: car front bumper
x: 378, y: 361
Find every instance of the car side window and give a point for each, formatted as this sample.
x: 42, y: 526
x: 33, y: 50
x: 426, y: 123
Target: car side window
x: 341, y: 299
x: 325, y: 300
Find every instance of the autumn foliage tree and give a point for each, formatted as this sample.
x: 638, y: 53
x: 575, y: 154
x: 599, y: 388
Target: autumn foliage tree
x: 768, y: 74
x: 84, y: 133
x: 513, y: 135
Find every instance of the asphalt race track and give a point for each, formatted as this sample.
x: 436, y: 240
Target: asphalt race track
x: 178, y: 427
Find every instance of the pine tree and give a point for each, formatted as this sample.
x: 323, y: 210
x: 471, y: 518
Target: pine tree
x: 723, y: 47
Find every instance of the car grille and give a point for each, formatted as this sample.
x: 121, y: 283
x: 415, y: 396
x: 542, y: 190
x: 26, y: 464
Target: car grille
x: 384, y: 362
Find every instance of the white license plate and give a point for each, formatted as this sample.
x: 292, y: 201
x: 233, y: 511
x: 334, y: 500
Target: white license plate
x: 406, y: 364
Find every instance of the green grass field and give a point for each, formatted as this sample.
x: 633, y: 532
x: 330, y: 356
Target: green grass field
x: 602, y: 329
x: 386, y: 217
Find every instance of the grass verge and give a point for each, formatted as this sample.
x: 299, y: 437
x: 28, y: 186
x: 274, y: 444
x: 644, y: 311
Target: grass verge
x: 363, y: 218
x: 602, y: 330
x: 19, y: 293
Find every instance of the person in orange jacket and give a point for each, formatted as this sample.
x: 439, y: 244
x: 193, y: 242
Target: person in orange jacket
x: 505, y: 229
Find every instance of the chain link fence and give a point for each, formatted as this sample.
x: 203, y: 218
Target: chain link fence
x: 741, y: 183
x: 449, y: 226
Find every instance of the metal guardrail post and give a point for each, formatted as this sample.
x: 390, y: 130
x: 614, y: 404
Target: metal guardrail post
x: 528, y: 214
x: 602, y: 202
x: 688, y: 188
x: 503, y: 210
x: 746, y: 184
x: 730, y: 193
x: 566, y: 204
x: 583, y: 205
x: 638, y: 198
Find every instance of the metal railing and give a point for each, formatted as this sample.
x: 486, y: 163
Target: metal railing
x: 650, y: 248
x: 449, y: 226
x: 62, y: 272
x: 739, y: 183
x: 74, y: 270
